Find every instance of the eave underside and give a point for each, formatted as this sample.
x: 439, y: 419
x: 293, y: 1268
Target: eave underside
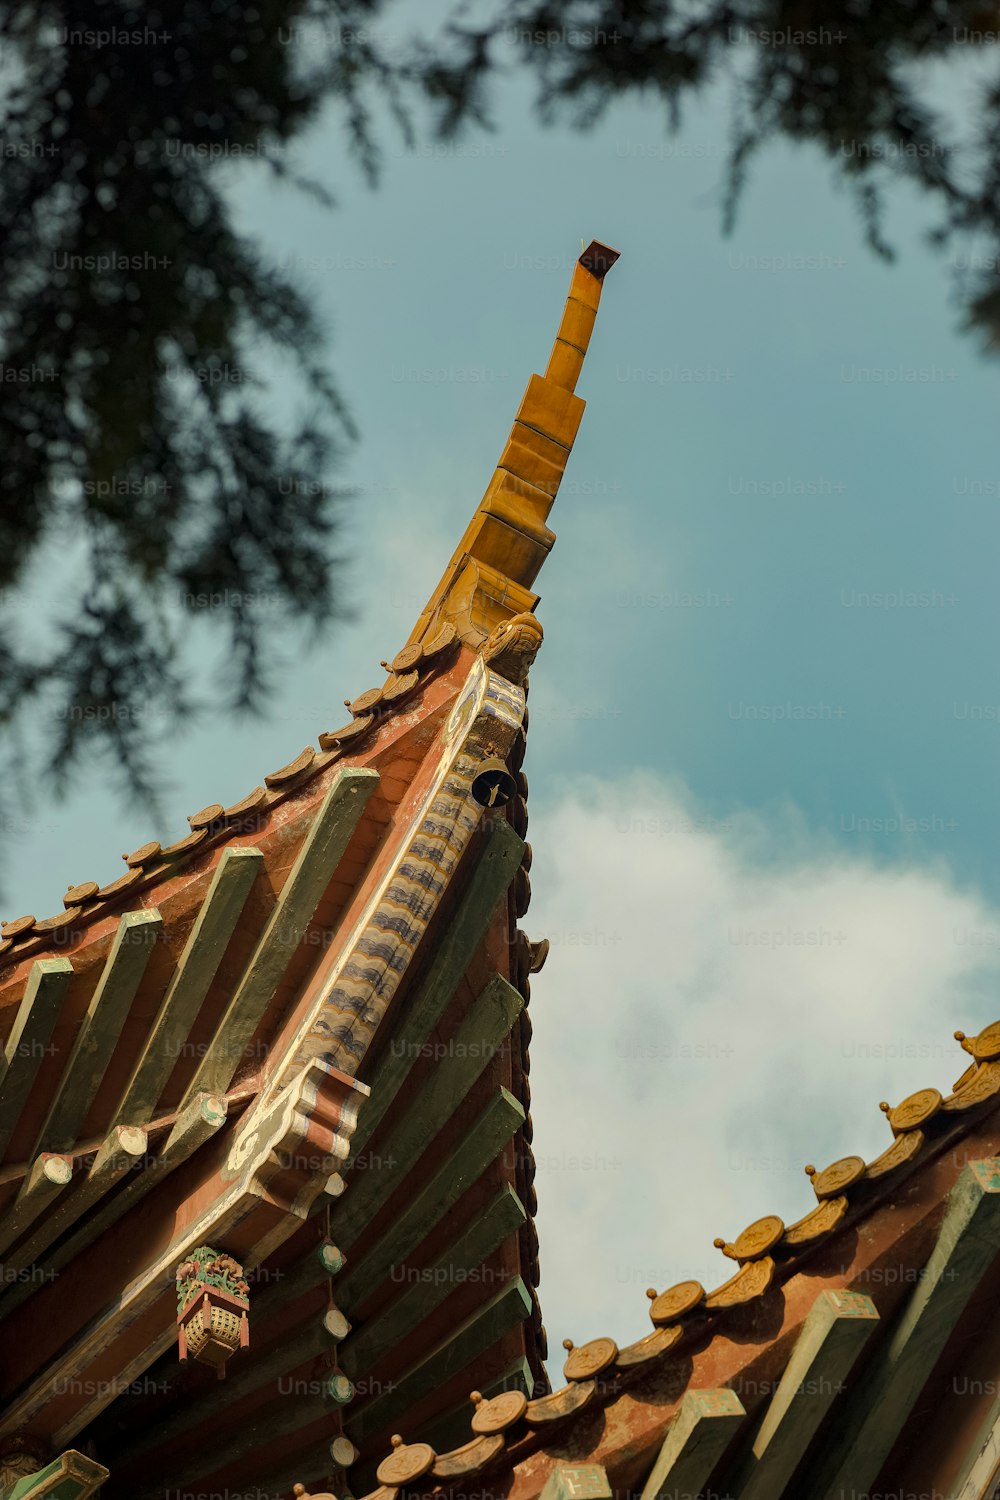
x: 442, y: 1162
x: 459, y: 1305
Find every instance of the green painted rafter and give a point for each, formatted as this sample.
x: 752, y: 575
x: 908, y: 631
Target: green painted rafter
x: 895, y: 1375
x: 121, y: 1152
x: 502, y: 1217
x: 481, y: 1034
x: 486, y: 1327
x: 304, y: 888
x: 30, y: 1040
x: 203, y: 952
x: 100, y: 1029
x: 485, y: 1139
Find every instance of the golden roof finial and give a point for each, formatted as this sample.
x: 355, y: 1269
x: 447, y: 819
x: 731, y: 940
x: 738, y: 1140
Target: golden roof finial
x: 489, y: 577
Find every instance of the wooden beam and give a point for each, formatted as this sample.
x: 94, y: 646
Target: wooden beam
x: 894, y: 1377
x: 470, y: 1341
x: 469, y: 924
x: 29, y: 1042
x: 434, y: 1283
x: 838, y: 1326
x: 100, y: 1029
x: 703, y: 1427
x: 199, y: 1121
x: 199, y: 963
x: 301, y: 893
x: 482, y: 1033
x: 269, y: 1167
x: 486, y: 1138
x: 45, y: 1181
x: 124, y: 1146
x: 118, y: 1155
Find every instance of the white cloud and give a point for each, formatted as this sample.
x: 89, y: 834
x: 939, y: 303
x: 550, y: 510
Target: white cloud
x: 723, y: 1003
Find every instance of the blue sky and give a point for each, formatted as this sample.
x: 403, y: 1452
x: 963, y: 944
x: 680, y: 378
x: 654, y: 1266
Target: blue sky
x: 768, y: 698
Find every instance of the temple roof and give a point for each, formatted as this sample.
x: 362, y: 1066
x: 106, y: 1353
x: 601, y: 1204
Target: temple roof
x: 300, y: 1032
x: 870, y: 1236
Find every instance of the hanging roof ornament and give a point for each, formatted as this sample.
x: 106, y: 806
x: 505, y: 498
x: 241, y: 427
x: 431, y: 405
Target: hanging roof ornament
x: 212, y: 1304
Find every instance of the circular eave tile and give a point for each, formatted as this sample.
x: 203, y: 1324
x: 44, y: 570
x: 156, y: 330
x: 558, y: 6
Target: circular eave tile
x: 676, y: 1302
x: 17, y: 927
x: 364, y: 703
x: 143, y: 854
x: 207, y: 816
x: 756, y: 1240
x: 405, y: 660
x: 986, y: 1046
x: 838, y: 1177
x: 406, y: 1463
x: 915, y: 1110
x: 77, y: 894
x: 499, y: 1413
x: 590, y: 1359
